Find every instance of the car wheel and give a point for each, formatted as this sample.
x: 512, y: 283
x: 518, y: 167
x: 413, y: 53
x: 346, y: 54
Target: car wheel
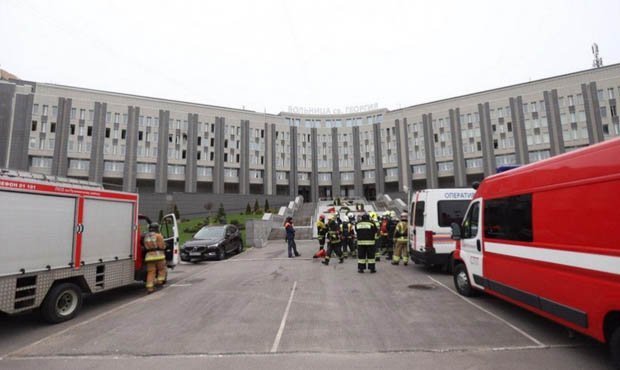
x: 461, y: 281
x: 62, y: 303
x: 221, y: 254
x: 240, y: 247
x: 614, y: 347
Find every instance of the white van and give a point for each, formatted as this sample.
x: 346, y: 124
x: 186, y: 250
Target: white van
x: 432, y: 211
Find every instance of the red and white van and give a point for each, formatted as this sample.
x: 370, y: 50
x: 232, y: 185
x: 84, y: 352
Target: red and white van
x: 432, y: 211
x: 546, y: 237
x: 62, y: 238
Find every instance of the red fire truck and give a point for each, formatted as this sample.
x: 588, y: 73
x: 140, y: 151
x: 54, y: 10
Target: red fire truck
x: 62, y: 238
x: 546, y: 237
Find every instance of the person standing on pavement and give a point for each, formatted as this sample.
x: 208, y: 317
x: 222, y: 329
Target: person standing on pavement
x: 347, y: 236
x: 155, y: 258
x: 321, y: 230
x: 335, y: 239
x: 401, y: 236
x: 365, y: 231
x: 290, y: 238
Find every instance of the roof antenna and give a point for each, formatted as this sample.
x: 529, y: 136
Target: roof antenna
x: 598, y: 61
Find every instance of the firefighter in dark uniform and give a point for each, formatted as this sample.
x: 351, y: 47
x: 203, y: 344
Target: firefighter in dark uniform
x: 391, y: 228
x: 347, y: 237
x: 366, y: 231
x: 334, y: 235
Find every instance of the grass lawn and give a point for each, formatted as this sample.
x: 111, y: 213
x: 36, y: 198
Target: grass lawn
x: 240, y: 217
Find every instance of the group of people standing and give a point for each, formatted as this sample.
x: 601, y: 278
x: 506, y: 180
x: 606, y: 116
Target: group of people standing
x: 368, y: 237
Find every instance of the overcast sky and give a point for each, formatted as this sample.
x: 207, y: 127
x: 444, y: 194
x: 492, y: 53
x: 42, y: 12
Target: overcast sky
x: 275, y: 54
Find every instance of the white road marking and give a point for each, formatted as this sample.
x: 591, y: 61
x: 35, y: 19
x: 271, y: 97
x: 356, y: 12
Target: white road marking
x: 276, y: 342
x: 180, y: 285
x: 520, y: 331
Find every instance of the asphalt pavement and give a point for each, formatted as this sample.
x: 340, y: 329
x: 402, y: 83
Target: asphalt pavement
x: 263, y: 310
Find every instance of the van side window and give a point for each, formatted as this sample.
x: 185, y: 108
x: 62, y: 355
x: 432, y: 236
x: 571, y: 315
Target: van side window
x: 470, y: 226
x: 419, y: 214
x: 449, y: 211
x: 509, y: 218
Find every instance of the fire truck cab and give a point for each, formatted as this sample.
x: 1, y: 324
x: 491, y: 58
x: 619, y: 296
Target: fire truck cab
x: 545, y: 237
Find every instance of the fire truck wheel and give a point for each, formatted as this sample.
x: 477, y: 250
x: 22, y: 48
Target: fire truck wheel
x: 461, y: 281
x: 62, y: 303
x: 614, y: 347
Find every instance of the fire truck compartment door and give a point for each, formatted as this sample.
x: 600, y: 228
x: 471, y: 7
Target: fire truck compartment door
x: 170, y: 232
x: 37, y: 231
x: 108, y: 230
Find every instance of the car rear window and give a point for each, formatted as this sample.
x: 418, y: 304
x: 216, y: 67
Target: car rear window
x: 449, y: 211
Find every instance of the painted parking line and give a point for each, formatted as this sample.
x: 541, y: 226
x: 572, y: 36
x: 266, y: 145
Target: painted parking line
x: 276, y: 341
x: 514, y: 327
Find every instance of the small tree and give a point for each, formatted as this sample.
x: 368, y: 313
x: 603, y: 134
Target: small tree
x: 266, y: 205
x: 176, y: 212
x: 208, y: 207
x: 256, y: 206
x: 221, y: 214
x: 248, y: 209
x: 161, y: 215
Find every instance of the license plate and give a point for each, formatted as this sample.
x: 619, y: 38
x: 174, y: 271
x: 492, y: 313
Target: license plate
x: 195, y: 254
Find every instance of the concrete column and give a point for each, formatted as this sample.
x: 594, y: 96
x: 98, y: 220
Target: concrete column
x: 407, y: 175
x: 131, y: 150
x: 458, y: 157
x: 357, y: 163
x: 218, y: 169
x: 96, y: 167
x: 191, y: 175
x: 554, y: 124
x: 518, y: 128
x: 60, y: 162
x: 244, y: 158
x: 20, y: 132
x: 379, y: 172
x: 432, y: 173
x: 486, y: 137
x: 7, y: 101
x: 293, y: 179
x: 314, y: 178
x: 593, y: 113
x: 270, y: 164
x: 335, y: 164
x: 402, y: 168
x: 161, y: 167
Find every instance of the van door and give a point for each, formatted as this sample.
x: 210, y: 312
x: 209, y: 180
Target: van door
x: 170, y: 232
x: 419, y: 219
x: 471, y: 242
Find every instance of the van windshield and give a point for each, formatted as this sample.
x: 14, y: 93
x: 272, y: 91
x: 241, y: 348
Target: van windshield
x: 449, y: 211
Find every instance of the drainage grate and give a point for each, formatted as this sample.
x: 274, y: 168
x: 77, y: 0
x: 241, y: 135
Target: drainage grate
x: 194, y: 281
x: 422, y: 286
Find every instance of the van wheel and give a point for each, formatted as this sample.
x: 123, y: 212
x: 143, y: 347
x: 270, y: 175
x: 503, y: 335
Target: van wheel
x: 614, y: 347
x: 62, y: 303
x: 461, y: 281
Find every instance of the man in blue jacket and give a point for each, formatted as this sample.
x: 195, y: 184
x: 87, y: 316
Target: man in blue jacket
x: 290, y: 237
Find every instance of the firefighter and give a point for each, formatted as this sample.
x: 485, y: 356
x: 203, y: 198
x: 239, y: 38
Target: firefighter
x: 321, y: 230
x: 365, y: 231
x: 401, y: 236
x: 384, y: 235
x: 155, y: 258
x: 347, y: 236
x: 375, y: 219
x: 353, y: 244
x: 392, y: 222
x: 334, y: 236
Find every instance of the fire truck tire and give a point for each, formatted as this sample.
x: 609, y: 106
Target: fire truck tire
x: 614, y: 347
x: 461, y: 281
x: 61, y: 303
